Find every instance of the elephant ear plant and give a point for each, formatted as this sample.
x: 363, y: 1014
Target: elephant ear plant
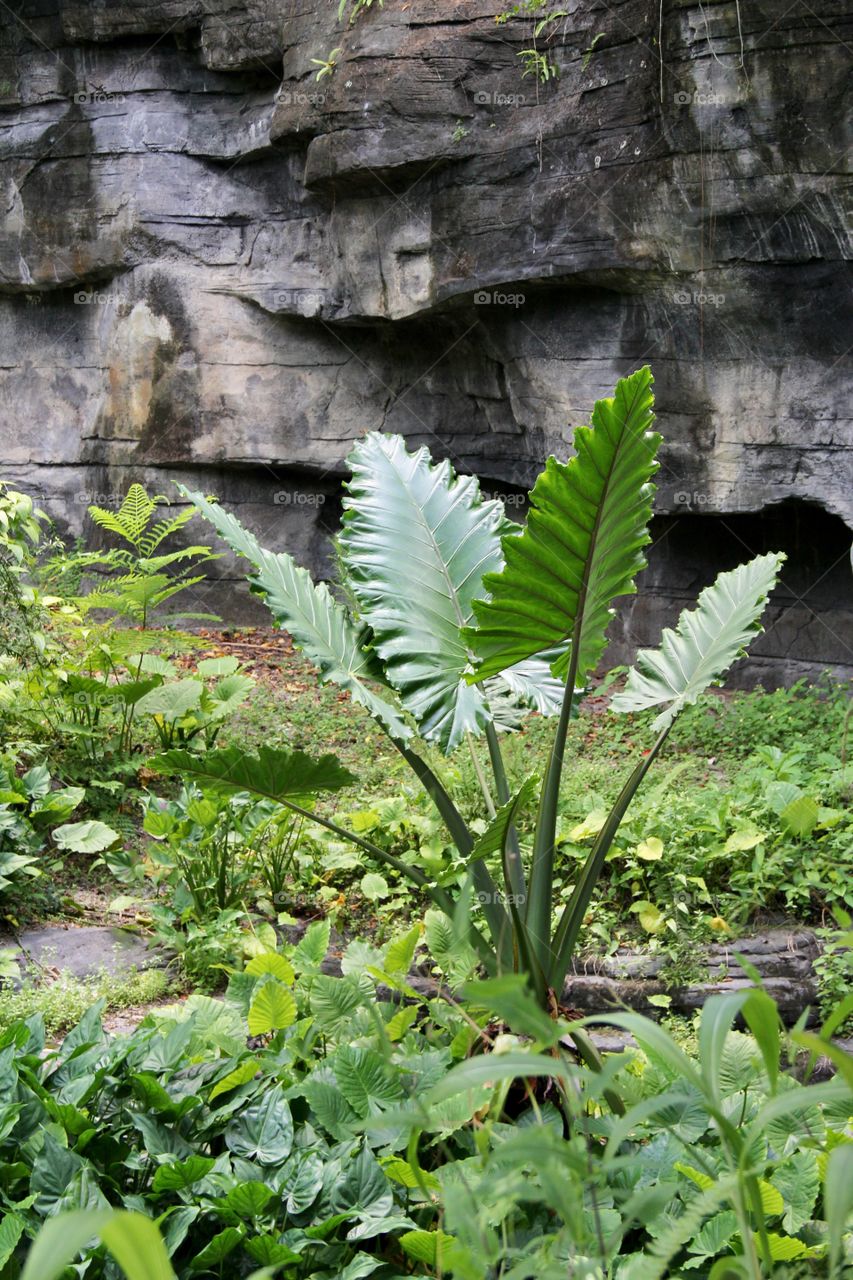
x: 451, y: 605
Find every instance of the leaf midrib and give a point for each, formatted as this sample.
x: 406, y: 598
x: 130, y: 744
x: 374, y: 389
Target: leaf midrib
x: 577, y: 631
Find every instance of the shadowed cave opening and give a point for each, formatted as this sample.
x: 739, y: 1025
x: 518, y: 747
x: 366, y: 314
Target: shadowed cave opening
x: 809, y: 621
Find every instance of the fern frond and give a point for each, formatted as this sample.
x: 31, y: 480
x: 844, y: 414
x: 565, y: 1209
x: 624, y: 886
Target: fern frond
x: 130, y: 520
x: 158, y: 563
x: 163, y: 529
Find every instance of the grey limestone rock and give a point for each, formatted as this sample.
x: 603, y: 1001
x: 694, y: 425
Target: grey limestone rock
x: 216, y: 267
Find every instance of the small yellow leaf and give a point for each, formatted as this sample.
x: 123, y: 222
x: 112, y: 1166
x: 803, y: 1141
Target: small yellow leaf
x: 240, y: 1075
x: 650, y: 850
x: 591, y: 825
x: 771, y: 1199
x: 719, y: 925
x: 741, y: 841
x: 652, y: 920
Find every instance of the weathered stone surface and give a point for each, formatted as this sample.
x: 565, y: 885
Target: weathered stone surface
x: 215, y: 267
x: 784, y: 959
x: 83, y: 951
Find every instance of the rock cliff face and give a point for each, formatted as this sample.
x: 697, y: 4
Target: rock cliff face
x: 216, y: 267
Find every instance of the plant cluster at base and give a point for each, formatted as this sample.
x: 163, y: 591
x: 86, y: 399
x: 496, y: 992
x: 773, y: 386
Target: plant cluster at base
x: 354, y: 1136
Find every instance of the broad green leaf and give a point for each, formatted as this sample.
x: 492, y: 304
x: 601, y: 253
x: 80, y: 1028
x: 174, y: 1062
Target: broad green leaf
x: 532, y: 684
x: 701, y: 1180
x: 264, y: 1132
x: 775, y: 1119
x: 784, y: 1248
x: 362, y: 1188
x: 271, y: 962
x: 171, y: 700
x: 54, y: 1170
x: 582, y: 546
x: 650, y: 850
x: 242, y: 1074
x: 401, y: 1172
x: 400, y: 952
x: 320, y: 627
x: 363, y: 1264
x: 90, y: 836
x: 11, y: 1230
x: 269, y: 1252
x: 397, y: 1026
x: 334, y: 1000
x: 731, y: 1268
x: 217, y: 1250
x: 374, y: 886
x: 778, y: 795
x: 453, y: 955
x: 248, y: 1199
x: 303, y: 1180
x: 153, y: 664
x: 226, y: 665
x: 707, y: 640
x: 772, y: 1204
x: 744, y: 840
x: 174, y: 1177
x: 715, y: 1234
x: 650, y: 917
x: 56, y: 805
x: 591, y: 825
x: 800, y: 817
x: 798, y: 1181
x: 330, y: 1109
x: 272, y: 1009
x: 426, y: 1246
x: 365, y: 1080
x: 310, y: 951
x: 416, y: 540
x: 274, y: 772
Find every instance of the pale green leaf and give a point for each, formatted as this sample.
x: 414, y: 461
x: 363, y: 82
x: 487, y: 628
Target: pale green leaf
x: 416, y: 540
x: 272, y: 1009
x: 707, y: 640
x: 320, y: 627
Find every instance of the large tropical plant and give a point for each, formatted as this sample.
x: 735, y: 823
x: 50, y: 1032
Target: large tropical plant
x: 450, y: 607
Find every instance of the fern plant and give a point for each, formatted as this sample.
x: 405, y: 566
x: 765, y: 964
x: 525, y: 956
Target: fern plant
x: 138, y: 580
x: 447, y: 596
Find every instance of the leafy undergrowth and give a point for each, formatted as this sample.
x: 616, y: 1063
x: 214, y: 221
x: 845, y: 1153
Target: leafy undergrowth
x: 735, y: 829
x: 62, y: 1000
x: 349, y: 1136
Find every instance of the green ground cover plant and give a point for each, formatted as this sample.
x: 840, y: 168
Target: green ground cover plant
x: 350, y: 1136
x: 62, y: 1001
